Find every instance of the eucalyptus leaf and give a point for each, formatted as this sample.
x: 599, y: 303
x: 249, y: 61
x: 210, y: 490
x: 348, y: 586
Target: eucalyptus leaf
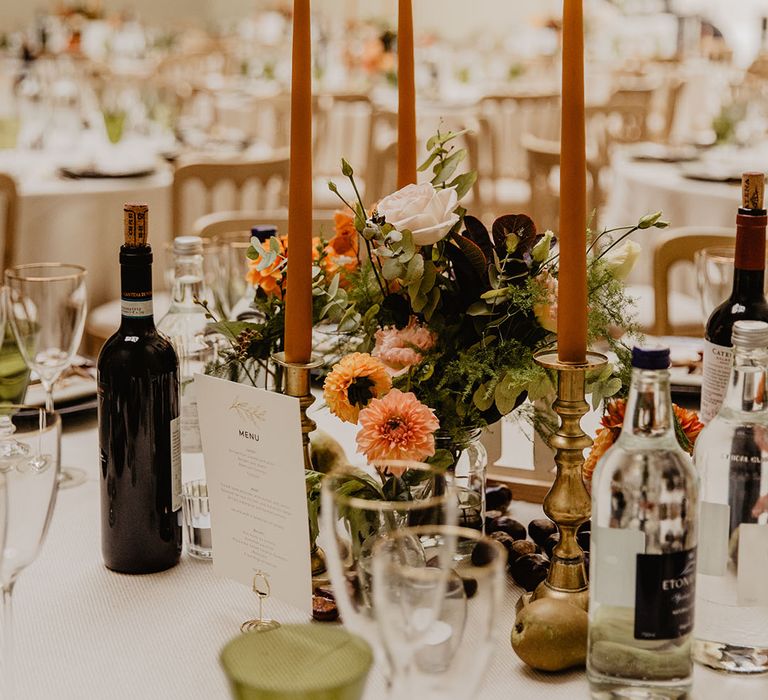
x: 392, y: 269
x: 464, y: 183
x: 447, y: 168
x: 415, y: 269
x: 333, y: 287
x: 434, y: 298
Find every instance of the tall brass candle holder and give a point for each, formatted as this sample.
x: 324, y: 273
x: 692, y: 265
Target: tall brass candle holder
x: 568, y: 503
x: 297, y: 383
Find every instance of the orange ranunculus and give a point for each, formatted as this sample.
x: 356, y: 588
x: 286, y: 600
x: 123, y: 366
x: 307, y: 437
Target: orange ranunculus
x: 341, y: 250
x: 612, y: 422
x: 271, y: 278
x: 344, y: 241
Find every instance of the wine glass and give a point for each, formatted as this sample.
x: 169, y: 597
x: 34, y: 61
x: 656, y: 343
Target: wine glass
x: 30, y: 439
x: 433, y: 605
x: 46, y: 308
x: 234, y: 292
x: 714, y: 276
x: 357, y: 508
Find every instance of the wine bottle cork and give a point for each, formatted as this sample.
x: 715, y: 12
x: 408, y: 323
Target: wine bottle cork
x: 135, y: 225
x: 752, y: 190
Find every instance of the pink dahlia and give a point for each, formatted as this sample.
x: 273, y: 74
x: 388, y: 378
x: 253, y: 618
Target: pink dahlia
x: 397, y: 426
x: 400, y: 349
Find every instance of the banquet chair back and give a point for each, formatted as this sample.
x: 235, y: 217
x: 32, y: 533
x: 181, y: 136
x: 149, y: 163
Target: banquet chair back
x: 503, y: 118
x: 680, y: 247
x: 9, y: 207
x: 543, y: 162
x: 497, y: 152
x: 627, y: 115
x: 263, y: 182
x: 228, y: 222
x: 343, y: 125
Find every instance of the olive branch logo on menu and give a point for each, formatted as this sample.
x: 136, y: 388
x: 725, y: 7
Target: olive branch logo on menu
x: 245, y: 411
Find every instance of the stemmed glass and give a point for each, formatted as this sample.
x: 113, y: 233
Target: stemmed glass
x: 437, y: 609
x: 357, y: 508
x: 714, y: 276
x: 29, y: 463
x: 47, y: 305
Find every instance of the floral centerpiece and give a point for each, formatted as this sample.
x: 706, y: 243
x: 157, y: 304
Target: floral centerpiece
x: 450, y: 314
x: 441, y: 316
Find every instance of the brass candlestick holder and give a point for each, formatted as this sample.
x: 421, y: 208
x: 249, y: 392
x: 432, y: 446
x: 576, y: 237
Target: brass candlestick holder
x: 568, y: 503
x: 297, y: 383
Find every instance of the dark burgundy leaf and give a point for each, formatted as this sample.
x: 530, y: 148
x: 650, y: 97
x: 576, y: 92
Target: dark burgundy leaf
x: 478, y: 234
x: 520, y: 225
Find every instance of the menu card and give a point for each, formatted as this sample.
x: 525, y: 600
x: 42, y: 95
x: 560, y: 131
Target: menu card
x: 255, y: 472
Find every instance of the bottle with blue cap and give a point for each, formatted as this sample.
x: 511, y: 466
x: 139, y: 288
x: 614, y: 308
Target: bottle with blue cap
x: 643, y: 555
x: 732, y: 459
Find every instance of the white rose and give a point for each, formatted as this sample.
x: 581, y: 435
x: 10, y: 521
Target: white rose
x: 426, y: 212
x: 621, y: 259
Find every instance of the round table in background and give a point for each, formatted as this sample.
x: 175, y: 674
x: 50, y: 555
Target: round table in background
x: 81, y: 220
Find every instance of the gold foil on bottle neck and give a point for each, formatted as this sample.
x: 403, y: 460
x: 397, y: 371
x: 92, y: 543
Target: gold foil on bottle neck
x: 135, y: 225
x: 752, y: 190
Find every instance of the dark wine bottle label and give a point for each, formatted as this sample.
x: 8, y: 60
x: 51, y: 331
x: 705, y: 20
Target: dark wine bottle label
x: 664, y: 594
x: 136, y: 307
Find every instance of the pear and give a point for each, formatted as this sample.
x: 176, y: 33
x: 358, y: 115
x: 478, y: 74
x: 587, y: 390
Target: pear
x: 551, y: 635
x: 326, y: 452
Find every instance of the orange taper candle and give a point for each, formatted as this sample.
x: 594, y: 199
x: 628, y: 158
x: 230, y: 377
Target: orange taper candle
x: 572, y: 287
x: 406, y: 91
x: 298, y: 302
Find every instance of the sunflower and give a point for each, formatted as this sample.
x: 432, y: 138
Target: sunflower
x: 352, y: 383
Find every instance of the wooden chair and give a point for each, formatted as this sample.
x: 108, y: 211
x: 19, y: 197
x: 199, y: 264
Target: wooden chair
x: 543, y: 160
x: 9, y: 203
x: 214, y: 176
x: 227, y: 222
x: 343, y: 127
x: 498, y: 153
x: 680, y: 246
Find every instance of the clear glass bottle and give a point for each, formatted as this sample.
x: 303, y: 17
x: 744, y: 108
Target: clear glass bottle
x: 185, y: 325
x: 732, y: 459
x: 643, y: 555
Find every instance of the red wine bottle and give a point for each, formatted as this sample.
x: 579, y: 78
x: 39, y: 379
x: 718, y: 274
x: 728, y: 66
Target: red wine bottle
x: 747, y: 299
x: 139, y: 445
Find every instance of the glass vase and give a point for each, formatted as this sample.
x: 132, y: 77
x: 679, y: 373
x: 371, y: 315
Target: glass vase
x: 469, y: 461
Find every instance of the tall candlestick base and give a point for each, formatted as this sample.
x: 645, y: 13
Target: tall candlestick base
x: 297, y: 383
x: 568, y: 503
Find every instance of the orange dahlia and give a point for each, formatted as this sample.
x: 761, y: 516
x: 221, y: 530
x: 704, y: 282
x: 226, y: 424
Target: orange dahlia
x: 353, y: 382
x: 397, y: 427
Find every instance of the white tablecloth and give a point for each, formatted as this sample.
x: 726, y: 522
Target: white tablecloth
x: 81, y: 221
x: 83, y: 632
x: 638, y: 188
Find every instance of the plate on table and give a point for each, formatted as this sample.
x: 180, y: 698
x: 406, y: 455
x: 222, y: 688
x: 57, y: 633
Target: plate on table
x: 685, y: 369
x: 94, y: 172
x: 75, y: 391
x: 711, y: 172
x: 661, y: 153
